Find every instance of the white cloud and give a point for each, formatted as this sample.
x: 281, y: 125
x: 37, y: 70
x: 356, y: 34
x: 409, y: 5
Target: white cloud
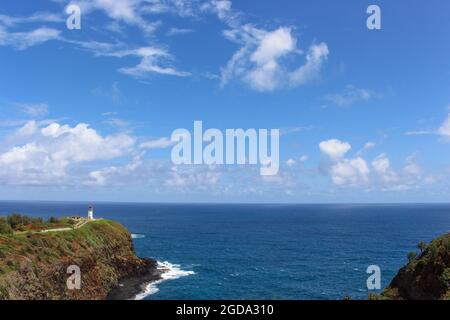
x: 183, y: 8
x: 274, y: 45
x: 290, y: 162
x: 178, y: 31
x: 369, y: 145
x: 24, y: 40
x: 444, y: 129
x: 350, y: 96
x: 42, y: 155
x: 259, y: 62
x: 223, y: 10
x: 304, y: 158
x: 36, y: 17
x: 191, y: 178
x: 114, y: 174
x: 411, y: 175
x: 341, y: 170
x: 127, y: 11
x: 350, y: 172
x: 317, y: 54
x: 33, y: 110
x: 334, y: 148
x: 412, y: 168
x: 160, y: 143
x: 151, y: 59
x: 382, y: 167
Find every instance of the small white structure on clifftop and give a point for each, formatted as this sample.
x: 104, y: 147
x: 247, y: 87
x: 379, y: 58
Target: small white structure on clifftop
x: 90, y: 212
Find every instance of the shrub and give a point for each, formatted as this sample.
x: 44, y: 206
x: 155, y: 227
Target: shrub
x: 5, y: 228
x: 422, y: 246
x: 53, y: 220
x: 411, y: 256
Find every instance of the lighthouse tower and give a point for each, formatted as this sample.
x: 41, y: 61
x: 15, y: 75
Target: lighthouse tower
x: 90, y: 212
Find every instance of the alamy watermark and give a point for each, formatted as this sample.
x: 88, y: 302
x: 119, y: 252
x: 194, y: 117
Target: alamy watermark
x: 74, y: 281
x: 235, y: 146
x: 73, y: 22
x: 374, y: 20
x: 374, y: 280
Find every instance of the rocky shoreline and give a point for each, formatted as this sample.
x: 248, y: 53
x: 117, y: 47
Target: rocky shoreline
x: 129, y: 287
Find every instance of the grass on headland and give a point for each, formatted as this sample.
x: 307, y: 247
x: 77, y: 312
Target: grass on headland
x: 50, y: 247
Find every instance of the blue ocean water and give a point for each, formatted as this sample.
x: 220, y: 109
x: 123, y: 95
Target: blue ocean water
x: 266, y: 251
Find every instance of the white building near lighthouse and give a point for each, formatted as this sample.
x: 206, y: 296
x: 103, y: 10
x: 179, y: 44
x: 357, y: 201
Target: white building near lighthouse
x: 90, y: 212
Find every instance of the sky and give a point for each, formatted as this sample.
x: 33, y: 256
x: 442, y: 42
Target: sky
x: 87, y: 114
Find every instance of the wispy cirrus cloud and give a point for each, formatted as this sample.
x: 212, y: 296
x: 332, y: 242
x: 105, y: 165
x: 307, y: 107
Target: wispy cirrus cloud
x: 50, y: 17
x: 33, y: 109
x: 26, y: 39
x: 350, y: 96
x: 443, y: 130
x: 179, y: 31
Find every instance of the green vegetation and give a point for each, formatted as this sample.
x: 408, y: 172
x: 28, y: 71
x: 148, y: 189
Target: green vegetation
x: 15, y: 223
x: 411, y: 256
x: 102, y: 248
x: 426, y: 276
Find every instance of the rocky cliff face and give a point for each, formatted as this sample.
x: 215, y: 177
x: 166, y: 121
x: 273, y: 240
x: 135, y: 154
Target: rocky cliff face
x: 426, y: 277
x: 34, y: 266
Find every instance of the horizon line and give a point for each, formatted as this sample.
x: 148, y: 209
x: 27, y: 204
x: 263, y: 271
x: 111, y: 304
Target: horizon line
x: 227, y: 203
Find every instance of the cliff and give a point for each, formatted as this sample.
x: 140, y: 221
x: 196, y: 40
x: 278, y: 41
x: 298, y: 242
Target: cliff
x: 426, y: 276
x: 34, y: 265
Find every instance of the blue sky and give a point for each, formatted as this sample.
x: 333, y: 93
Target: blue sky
x: 88, y: 114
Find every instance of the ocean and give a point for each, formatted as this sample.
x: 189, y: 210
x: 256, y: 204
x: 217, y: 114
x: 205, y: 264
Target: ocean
x: 221, y: 251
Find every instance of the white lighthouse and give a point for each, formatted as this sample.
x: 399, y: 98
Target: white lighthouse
x: 90, y: 212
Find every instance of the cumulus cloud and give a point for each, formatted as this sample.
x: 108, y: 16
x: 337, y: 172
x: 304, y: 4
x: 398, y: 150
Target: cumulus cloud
x: 350, y: 172
x: 42, y: 155
x: 290, y: 162
x: 345, y: 171
x: 382, y: 167
x: 189, y: 177
x: 410, y: 176
x: 113, y: 175
x: 261, y: 61
x: 341, y: 170
x: 334, y: 148
x: 317, y: 55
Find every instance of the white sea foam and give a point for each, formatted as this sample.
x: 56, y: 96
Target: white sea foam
x: 137, y: 236
x: 170, y: 272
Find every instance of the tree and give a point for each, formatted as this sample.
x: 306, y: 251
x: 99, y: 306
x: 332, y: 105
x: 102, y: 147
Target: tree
x: 53, y: 220
x: 16, y: 220
x: 422, y: 246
